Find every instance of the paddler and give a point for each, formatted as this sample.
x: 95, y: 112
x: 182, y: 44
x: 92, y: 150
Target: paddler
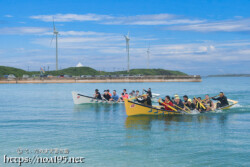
x: 109, y: 93
x: 132, y: 94
x: 148, y: 92
x: 123, y: 96
x: 146, y: 100
x: 200, y: 106
x: 178, y: 103
x: 137, y: 93
x: 97, y: 95
x: 114, y: 97
x: 106, y: 95
x: 190, y: 104
x: 168, y: 105
x: 208, y: 103
x: 222, y: 100
x: 185, y: 99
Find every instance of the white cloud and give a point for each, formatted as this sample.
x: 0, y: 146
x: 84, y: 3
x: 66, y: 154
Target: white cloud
x: 245, y: 52
x: 8, y: 15
x: 22, y: 30
x: 224, y: 26
x: 156, y: 19
x: 71, y: 17
x: 77, y: 33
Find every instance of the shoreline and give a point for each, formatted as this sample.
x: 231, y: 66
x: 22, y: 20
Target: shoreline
x: 103, y: 80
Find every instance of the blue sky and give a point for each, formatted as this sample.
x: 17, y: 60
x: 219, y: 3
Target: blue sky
x: 196, y: 37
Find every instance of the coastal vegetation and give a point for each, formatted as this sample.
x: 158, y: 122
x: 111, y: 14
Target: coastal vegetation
x: 78, y: 71
x: 11, y: 70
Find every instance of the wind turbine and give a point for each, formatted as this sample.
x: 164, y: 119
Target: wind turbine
x: 55, y: 33
x: 148, y: 55
x: 127, y: 46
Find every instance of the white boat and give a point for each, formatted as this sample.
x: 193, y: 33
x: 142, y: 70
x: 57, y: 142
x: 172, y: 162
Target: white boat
x: 83, y: 99
x: 155, y: 97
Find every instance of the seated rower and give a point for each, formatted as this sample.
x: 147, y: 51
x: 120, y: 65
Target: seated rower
x: 97, y: 95
x: 194, y: 103
x: 208, y: 103
x: 123, y: 96
x: 190, y: 104
x: 106, y: 95
x: 146, y: 100
x: 114, y: 97
x: 148, y: 92
x: 137, y: 93
x: 178, y: 103
x: 200, y: 106
x: 168, y: 105
x: 109, y: 93
x: 125, y: 91
x: 185, y: 99
x: 132, y: 94
x: 222, y: 99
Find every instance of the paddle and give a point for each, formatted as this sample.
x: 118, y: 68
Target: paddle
x: 187, y: 107
x: 167, y: 105
x: 182, y: 109
x: 200, y: 103
x: 211, y: 97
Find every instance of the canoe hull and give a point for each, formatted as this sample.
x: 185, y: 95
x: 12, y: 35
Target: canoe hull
x: 133, y: 108
x: 231, y: 104
x: 83, y: 99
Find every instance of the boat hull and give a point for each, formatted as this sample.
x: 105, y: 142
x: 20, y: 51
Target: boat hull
x: 231, y: 104
x: 133, y: 108
x: 83, y: 99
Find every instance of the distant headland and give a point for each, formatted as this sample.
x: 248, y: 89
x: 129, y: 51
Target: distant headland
x: 230, y: 75
x: 90, y: 75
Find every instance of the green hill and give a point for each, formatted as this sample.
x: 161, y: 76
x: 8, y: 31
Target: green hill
x: 150, y: 72
x: 78, y: 71
x: 11, y: 70
x: 75, y: 71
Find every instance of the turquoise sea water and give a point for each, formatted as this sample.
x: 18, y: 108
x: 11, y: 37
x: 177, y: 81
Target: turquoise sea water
x: 43, y: 116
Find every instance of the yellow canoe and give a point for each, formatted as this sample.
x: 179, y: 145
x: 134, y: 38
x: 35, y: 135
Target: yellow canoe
x: 133, y: 108
x: 231, y: 104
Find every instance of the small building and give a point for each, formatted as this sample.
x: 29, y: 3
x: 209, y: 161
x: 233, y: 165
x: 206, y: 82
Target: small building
x: 25, y: 76
x: 11, y: 76
x: 79, y: 65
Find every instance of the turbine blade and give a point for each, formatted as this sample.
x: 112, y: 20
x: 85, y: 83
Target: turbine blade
x: 52, y: 40
x: 54, y: 25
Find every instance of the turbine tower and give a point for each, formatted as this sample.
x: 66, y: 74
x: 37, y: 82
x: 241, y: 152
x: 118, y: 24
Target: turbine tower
x: 55, y: 33
x: 148, y: 56
x: 127, y: 46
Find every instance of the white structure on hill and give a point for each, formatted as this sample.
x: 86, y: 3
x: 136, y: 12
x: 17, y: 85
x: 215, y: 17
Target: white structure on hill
x: 79, y: 65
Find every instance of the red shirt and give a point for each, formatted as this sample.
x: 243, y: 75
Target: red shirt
x: 166, y: 104
x: 125, y: 96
